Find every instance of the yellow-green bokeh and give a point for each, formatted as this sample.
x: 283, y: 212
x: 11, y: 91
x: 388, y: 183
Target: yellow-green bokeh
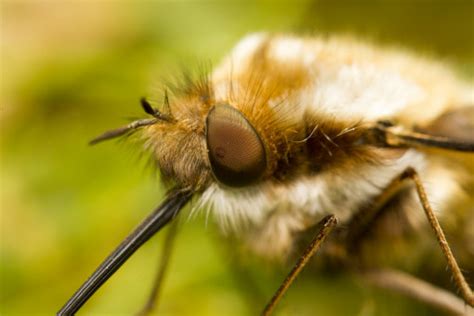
x: 71, y: 69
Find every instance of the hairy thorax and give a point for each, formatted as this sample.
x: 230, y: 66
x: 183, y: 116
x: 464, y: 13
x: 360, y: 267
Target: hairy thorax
x: 310, y: 102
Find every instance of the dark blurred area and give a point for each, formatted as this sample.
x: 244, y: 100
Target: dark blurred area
x: 443, y: 28
x: 71, y: 70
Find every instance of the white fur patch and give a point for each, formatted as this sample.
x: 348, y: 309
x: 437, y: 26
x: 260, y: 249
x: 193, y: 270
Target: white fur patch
x: 287, y: 48
x: 244, y: 50
x: 358, y: 92
x: 311, y: 196
x: 291, y: 50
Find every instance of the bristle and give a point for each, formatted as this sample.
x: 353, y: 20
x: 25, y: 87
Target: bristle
x: 192, y: 83
x: 130, y: 128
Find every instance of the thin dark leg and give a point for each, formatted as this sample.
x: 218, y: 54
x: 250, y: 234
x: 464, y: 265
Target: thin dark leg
x: 362, y: 222
x: 165, y: 257
x: 420, y: 290
x: 328, y: 224
x: 459, y: 279
x: 243, y: 278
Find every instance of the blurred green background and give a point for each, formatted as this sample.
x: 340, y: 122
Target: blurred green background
x: 71, y: 69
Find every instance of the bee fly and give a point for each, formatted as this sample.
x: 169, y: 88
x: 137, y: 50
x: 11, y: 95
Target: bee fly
x: 290, y: 132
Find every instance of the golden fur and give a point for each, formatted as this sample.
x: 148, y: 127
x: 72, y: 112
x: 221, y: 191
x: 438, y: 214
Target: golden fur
x: 311, y: 102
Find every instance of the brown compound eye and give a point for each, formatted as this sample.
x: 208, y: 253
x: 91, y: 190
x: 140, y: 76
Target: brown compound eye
x: 236, y: 152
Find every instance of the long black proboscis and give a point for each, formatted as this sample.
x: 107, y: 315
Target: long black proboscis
x: 165, y: 212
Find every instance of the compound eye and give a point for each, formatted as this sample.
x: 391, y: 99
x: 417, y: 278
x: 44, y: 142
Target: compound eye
x: 236, y: 152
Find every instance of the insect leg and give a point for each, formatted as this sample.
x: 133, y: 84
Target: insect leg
x: 241, y: 275
x: 461, y: 282
x: 165, y: 257
x: 328, y: 224
x: 416, y: 288
x: 363, y: 220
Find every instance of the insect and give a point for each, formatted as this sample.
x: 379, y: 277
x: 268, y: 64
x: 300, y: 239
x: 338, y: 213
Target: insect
x: 291, y: 133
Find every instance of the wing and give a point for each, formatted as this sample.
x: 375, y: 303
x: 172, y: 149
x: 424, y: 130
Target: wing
x: 456, y: 124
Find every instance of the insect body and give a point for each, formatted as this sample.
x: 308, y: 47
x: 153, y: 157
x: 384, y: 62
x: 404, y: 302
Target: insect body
x: 288, y: 131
